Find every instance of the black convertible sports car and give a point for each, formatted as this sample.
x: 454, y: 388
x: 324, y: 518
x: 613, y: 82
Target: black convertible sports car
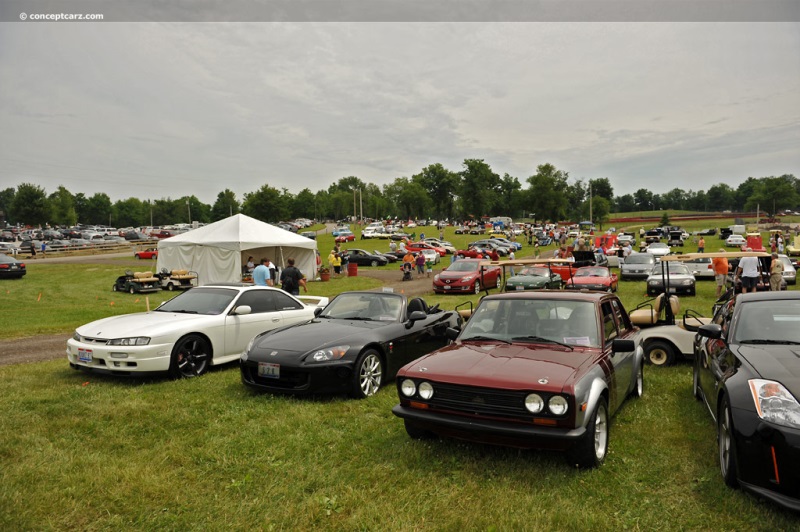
x: 747, y: 372
x: 365, y: 258
x: 354, y: 345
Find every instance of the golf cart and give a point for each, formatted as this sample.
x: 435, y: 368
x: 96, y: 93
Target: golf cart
x: 665, y: 332
x: 176, y: 279
x: 136, y: 282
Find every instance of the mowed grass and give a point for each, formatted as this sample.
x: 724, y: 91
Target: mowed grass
x: 91, y: 452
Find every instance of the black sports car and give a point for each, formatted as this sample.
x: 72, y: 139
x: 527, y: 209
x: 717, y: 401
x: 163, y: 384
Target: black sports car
x: 11, y: 267
x: 747, y: 372
x: 355, y: 344
x: 365, y: 258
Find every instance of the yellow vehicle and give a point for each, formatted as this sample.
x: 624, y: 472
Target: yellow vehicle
x: 794, y: 248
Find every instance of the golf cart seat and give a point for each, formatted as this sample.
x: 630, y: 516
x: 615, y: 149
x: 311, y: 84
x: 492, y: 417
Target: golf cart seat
x: 647, y: 313
x: 144, y: 277
x: 182, y: 275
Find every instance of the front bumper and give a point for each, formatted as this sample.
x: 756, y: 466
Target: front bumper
x: 513, y: 434
x: 683, y: 289
x: 324, y: 377
x: 117, y: 359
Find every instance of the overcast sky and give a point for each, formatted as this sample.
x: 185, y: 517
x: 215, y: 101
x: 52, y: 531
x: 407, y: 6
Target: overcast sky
x: 156, y: 110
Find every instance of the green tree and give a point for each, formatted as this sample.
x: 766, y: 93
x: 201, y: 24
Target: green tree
x: 441, y: 185
x: 600, y: 209
x: 30, y: 205
x: 643, y: 199
x: 510, y: 197
x: 720, y: 197
x: 674, y: 199
x: 303, y: 204
x: 478, y: 185
x: 601, y: 188
x: 226, y: 205
x: 773, y: 193
x: 131, y: 212
x: 546, y: 195
x: 664, y: 219
x: 6, y: 199
x: 62, y: 207
x: 266, y: 204
x: 624, y: 203
x: 98, y: 208
x: 744, y: 192
x: 410, y: 198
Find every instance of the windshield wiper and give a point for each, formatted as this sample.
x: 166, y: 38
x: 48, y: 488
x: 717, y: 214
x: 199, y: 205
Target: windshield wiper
x: 182, y: 311
x: 545, y: 340
x: 766, y: 341
x: 360, y: 318
x: 490, y: 338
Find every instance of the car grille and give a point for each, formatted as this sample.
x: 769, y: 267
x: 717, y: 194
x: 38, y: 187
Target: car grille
x: 485, y: 401
x: 95, y: 341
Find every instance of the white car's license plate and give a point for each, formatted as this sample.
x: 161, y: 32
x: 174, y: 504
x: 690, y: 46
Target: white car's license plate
x: 84, y: 355
x: 268, y: 370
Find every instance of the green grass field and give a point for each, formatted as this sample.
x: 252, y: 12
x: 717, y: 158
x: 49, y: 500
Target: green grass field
x: 90, y: 452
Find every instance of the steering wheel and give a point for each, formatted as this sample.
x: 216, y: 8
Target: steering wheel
x: 433, y: 309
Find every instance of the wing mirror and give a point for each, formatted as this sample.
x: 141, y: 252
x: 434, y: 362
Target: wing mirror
x: 417, y: 315
x: 710, y: 330
x: 317, y: 311
x: 451, y: 333
x: 623, y: 346
x: 242, y: 310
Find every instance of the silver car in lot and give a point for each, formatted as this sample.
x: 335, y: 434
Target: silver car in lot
x: 789, y: 271
x: 637, y: 266
x: 701, y: 268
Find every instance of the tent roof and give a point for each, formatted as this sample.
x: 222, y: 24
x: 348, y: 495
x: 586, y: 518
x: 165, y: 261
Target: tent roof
x: 239, y: 233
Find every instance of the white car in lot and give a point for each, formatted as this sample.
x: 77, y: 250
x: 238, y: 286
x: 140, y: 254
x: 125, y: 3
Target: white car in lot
x: 202, y: 327
x: 735, y: 241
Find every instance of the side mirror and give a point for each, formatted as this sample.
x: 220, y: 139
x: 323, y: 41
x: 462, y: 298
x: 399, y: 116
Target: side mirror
x: 317, y: 311
x: 451, y: 333
x: 710, y: 330
x: 417, y: 315
x: 242, y: 310
x: 623, y: 346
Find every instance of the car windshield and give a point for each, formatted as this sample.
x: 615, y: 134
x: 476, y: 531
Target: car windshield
x: 675, y: 268
x: 640, y: 258
x: 534, y: 320
x: 200, y: 301
x: 658, y: 245
x: 364, y: 306
x: 591, y: 272
x: 767, y: 322
x: 463, y: 266
x: 538, y: 272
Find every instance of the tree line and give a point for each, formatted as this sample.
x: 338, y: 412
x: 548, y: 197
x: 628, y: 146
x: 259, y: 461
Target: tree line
x: 436, y: 192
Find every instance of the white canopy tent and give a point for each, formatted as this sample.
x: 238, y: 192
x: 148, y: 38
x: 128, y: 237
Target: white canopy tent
x: 218, y: 251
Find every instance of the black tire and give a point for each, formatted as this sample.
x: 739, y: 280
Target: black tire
x: 416, y: 432
x: 726, y: 444
x: 477, y: 287
x: 132, y: 289
x: 638, y: 388
x: 659, y: 354
x: 374, y: 263
x: 190, y: 357
x: 138, y: 257
x: 170, y: 287
x: 591, y: 450
x: 115, y: 288
x: 368, y: 374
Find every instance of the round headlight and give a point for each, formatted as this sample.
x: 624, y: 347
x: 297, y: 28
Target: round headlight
x: 426, y: 390
x: 534, y: 403
x: 408, y: 388
x: 557, y: 405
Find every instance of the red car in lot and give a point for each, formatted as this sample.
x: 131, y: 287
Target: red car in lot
x: 466, y: 275
x: 593, y: 278
x: 474, y: 252
x: 149, y: 253
x: 416, y: 247
x: 345, y: 236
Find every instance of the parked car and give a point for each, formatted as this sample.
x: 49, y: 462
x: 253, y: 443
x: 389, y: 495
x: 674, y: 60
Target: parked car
x: 637, y: 266
x: 745, y: 372
x: 529, y: 369
x: 11, y: 268
x: 466, y: 275
x: 391, y: 257
x: 534, y: 278
x: 658, y: 249
x: 416, y: 247
x: 354, y: 345
x: 339, y: 228
x: 789, y: 271
x: 473, y: 252
x: 444, y: 244
x: 345, y: 236
x: 136, y: 235
x: 309, y: 234
x: 593, y: 278
x: 701, y: 268
x: 201, y: 327
x: 365, y: 258
x: 149, y: 253
x: 681, y: 280
x: 462, y: 230
x: 735, y: 241
x: 493, y: 243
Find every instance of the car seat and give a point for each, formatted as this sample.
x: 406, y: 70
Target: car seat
x: 417, y: 304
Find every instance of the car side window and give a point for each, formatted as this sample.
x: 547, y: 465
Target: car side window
x: 259, y: 301
x: 284, y: 302
x: 622, y: 318
x: 609, y: 323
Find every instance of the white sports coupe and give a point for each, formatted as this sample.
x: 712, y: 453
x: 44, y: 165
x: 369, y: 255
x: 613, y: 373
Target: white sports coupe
x: 205, y: 326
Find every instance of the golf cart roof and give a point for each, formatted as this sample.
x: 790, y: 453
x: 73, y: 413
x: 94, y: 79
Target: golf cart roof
x: 723, y: 254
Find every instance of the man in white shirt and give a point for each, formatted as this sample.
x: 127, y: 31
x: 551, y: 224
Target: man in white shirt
x: 749, y: 271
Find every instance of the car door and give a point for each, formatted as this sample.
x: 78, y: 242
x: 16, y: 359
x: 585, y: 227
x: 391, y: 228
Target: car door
x: 621, y: 372
x: 269, y: 309
x: 712, y: 363
x: 410, y: 343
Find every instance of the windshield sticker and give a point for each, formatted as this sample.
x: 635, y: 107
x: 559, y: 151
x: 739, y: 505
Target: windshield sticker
x: 577, y: 340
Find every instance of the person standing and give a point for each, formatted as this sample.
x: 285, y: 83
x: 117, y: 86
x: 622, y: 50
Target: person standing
x: 392, y: 246
x: 335, y: 262
x: 511, y: 256
x: 701, y: 245
x: 250, y: 265
x: 420, y: 261
x: 292, y: 279
x: 775, y: 273
x: 44, y: 248
x: 720, y: 267
x: 261, y: 274
x: 536, y: 250
x: 749, y: 271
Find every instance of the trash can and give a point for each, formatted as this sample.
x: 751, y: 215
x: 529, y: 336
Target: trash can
x: 352, y: 269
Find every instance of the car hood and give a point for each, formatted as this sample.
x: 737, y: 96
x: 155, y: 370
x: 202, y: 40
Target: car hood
x: 774, y: 362
x: 445, y: 274
x: 317, y: 333
x: 591, y: 280
x: 152, y: 324
x: 499, y: 365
